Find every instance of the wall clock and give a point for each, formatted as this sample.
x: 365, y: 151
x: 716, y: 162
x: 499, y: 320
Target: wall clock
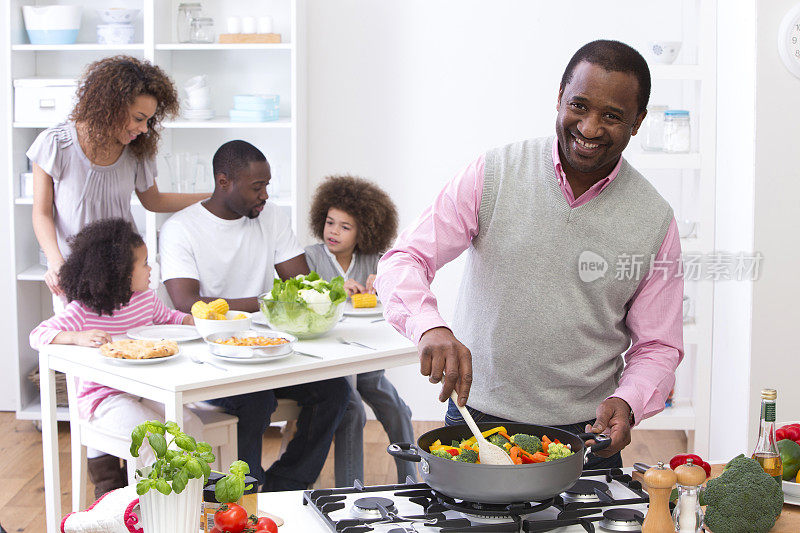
x: 789, y: 40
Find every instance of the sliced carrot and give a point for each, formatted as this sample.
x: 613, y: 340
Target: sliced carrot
x: 539, y: 457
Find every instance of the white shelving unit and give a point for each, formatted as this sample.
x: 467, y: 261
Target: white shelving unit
x: 231, y: 69
x: 696, y: 83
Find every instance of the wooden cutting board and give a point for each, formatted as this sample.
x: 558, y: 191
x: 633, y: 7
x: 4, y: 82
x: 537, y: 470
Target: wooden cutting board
x: 788, y: 522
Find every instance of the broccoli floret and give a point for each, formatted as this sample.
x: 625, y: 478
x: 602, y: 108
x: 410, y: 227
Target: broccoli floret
x: 467, y: 456
x: 529, y: 443
x: 743, y: 498
x: 557, y: 451
x: 444, y: 454
x: 498, y: 440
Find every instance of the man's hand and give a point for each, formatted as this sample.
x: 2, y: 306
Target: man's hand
x: 613, y: 420
x: 441, y: 354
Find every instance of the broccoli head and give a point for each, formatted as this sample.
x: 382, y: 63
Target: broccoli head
x: 557, y: 451
x: 444, y: 454
x: 467, y: 456
x: 498, y: 440
x: 743, y: 498
x: 529, y: 443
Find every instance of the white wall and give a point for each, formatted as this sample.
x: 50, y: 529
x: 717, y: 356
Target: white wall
x: 775, y: 361
x: 408, y: 92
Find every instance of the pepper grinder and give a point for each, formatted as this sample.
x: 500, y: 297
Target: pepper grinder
x: 659, y: 480
x: 688, y: 514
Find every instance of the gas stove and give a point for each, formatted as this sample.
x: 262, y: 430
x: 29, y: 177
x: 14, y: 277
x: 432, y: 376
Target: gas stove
x: 601, y: 500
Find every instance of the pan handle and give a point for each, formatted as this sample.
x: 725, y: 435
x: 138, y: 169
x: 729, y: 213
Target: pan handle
x: 405, y: 451
x: 601, y: 442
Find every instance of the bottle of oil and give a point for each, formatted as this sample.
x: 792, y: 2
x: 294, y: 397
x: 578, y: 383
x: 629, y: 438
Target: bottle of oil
x: 766, y: 452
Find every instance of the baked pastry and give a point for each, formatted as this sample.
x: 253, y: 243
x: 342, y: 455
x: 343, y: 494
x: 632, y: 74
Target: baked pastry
x: 139, y: 349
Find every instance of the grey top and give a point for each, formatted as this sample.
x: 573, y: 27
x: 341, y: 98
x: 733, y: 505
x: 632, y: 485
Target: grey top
x: 546, y: 341
x: 85, y: 192
x: 321, y: 261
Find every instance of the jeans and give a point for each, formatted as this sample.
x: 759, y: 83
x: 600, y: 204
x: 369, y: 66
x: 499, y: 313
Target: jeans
x: 454, y: 417
x: 390, y: 410
x: 322, y: 405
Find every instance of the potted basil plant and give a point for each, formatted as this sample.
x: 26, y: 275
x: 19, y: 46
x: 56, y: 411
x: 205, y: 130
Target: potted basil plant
x: 171, y: 489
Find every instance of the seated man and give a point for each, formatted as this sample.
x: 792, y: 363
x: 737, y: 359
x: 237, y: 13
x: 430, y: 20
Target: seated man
x: 228, y: 247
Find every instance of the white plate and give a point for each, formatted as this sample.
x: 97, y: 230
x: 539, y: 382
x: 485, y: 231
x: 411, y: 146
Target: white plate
x: 172, y: 332
x: 252, y: 360
x: 150, y: 361
x: 791, y: 500
x: 349, y: 310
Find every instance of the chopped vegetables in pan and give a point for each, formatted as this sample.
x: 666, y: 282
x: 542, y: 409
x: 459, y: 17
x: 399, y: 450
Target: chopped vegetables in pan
x: 522, y: 448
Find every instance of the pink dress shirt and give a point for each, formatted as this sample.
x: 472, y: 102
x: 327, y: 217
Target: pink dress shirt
x: 446, y: 229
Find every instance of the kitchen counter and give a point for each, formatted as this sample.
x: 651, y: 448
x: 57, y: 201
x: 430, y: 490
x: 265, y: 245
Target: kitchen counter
x: 301, y: 519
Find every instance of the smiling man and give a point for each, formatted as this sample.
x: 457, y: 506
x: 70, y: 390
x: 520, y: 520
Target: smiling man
x: 534, y: 339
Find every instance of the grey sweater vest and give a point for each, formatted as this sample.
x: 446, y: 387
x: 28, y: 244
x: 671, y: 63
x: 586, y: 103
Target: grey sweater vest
x: 546, y: 345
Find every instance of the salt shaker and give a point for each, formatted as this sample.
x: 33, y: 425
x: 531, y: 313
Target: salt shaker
x: 659, y: 480
x: 688, y: 514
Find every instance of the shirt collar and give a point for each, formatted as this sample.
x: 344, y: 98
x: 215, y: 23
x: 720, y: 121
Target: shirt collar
x: 562, y: 177
x: 345, y: 275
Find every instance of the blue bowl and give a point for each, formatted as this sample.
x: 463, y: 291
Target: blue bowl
x: 53, y: 36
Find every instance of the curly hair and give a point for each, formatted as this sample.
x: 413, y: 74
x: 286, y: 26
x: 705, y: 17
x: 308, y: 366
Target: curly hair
x: 98, y: 271
x: 117, y: 80
x: 368, y: 204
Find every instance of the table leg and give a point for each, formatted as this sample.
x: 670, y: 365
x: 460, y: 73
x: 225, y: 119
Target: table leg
x: 173, y: 410
x: 52, y: 479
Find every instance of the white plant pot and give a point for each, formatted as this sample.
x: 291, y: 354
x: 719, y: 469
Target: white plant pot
x: 175, y: 513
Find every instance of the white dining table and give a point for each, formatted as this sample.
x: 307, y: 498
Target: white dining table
x: 179, y: 381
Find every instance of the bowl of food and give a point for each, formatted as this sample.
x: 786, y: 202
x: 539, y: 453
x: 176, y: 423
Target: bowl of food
x: 216, y: 316
x: 304, y: 306
x: 250, y: 344
x: 790, y: 456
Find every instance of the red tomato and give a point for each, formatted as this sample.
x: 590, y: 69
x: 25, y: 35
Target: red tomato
x: 230, y: 518
x: 266, y: 524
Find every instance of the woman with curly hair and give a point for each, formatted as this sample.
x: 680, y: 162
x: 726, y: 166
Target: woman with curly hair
x: 106, y: 280
x: 356, y: 222
x: 87, y: 168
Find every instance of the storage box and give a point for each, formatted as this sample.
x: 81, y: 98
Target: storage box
x: 43, y: 99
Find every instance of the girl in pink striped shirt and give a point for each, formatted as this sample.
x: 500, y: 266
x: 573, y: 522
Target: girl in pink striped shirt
x: 106, y: 281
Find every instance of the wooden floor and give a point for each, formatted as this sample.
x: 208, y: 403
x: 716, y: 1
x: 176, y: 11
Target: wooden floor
x: 22, y: 482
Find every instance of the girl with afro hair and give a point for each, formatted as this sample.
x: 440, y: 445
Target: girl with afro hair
x: 356, y: 222
x: 87, y: 168
x: 106, y: 280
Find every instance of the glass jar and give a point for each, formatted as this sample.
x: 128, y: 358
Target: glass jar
x: 202, y: 30
x: 652, y: 130
x: 186, y: 13
x: 677, y: 131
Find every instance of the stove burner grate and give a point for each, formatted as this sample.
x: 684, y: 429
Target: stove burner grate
x: 370, y: 507
x: 491, y: 510
x: 621, y: 519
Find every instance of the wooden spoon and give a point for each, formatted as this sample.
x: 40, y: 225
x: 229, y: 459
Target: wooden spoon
x: 490, y: 454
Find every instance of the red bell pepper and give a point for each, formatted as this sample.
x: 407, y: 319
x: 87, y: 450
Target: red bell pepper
x: 683, y: 458
x: 789, y: 431
x: 453, y: 452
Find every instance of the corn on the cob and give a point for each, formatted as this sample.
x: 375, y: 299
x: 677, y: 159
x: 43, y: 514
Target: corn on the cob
x: 239, y: 316
x: 364, y: 300
x: 220, y: 307
x: 200, y: 309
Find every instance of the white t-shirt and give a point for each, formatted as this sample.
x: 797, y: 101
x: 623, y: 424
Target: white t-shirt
x: 230, y: 258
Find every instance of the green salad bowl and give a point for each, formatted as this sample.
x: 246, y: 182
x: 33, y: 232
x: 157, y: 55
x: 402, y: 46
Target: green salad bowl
x: 298, y: 318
